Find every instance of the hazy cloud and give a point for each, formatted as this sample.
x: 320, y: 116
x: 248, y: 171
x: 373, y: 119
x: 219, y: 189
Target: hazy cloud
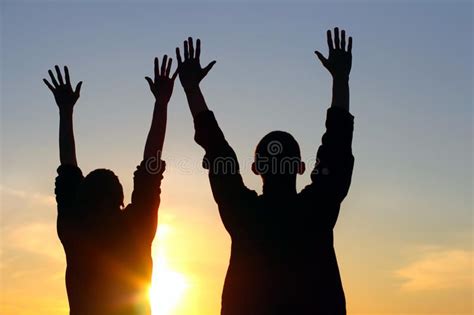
x: 36, y: 238
x: 439, y: 269
x: 29, y: 196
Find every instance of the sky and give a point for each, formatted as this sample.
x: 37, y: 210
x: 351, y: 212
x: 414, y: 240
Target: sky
x: 404, y: 235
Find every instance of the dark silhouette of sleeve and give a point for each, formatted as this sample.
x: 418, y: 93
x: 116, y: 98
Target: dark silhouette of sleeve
x: 66, y: 187
x: 146, y: 197
x: 331, y: 176
x: 228, y: 188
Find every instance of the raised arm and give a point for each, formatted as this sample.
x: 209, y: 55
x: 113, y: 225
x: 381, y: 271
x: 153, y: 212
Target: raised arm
x: 143, y: 210
x: 69, y: 175
x: 226, y: 182
x: 339, y: 64
x: 331, y: 177
x: 191, y: 74
x: 65, y: 98
x: 162, y: 88
x: 208, y: 133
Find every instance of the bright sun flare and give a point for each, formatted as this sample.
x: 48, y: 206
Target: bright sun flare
x: 168, y: 287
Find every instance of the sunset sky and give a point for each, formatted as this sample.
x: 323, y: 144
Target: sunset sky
x: 404, y: 235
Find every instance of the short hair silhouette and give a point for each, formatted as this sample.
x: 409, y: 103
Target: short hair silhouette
x: 101, y: 187
x: 277, y: 153
x: 282, y: 259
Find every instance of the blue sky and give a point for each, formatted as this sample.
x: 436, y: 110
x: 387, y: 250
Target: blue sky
x: 411, y: 95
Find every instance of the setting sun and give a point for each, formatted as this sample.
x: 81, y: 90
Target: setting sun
x: 168, y: 286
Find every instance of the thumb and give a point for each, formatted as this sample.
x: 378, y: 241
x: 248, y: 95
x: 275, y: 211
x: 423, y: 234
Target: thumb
x: 150, y: 81
x: 208, y: 68
x: 78, y: 89
x: 321, y: 57
x: 175, y: 74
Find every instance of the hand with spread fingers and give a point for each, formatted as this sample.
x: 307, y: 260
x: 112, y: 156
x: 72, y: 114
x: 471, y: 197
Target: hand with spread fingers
x: 339, y: 62
x: 65, y: 98
x: 162, y: 86
x: 62, y: 90
x: 190, y: 71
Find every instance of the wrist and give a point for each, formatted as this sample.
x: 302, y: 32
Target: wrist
x: 191, y: 89
x: 340, y: 78
x: 161, y: 103
x: 68, y: 111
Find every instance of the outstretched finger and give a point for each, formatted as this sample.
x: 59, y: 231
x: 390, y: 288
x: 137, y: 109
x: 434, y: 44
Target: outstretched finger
x: 349, y: 46
x: 175, y: 74
x: 336, y: 38
x: 191, y: 47
x: 321, y: 57
x: 58, y: 73
x: 198, y: 48
x: 48, y: 85
x: 53, y: 79
x: 163, y: 65
x: 150, y: 81
x: 343, y: 39
x: 78, y: 89
x: 156, y: 71
x: 178, y: 56
x: 186, y: 51
x: 66, y: 75
x: 208, y: 68
x: 168, y: 68
x: 329, y: 38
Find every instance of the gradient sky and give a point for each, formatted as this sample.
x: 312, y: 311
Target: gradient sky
x: 404, y: 235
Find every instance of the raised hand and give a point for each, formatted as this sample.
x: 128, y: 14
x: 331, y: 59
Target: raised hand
x: 339, y: 62
x: 190, y: 70
x: 62, y: 90
x: 162, y: 87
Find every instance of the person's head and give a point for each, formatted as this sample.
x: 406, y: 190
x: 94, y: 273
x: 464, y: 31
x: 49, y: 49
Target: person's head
x: 101, y: 190
x: 278, y: 157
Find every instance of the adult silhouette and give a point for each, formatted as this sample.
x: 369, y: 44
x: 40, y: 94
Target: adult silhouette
x: 282, y: 257
x: 108, y: 246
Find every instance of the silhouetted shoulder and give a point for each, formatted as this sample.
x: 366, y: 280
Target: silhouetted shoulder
x: 331, y: 176
x: 66, y: 187
x: 143, y: 210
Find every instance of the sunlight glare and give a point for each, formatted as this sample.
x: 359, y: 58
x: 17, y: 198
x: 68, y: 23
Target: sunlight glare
x: 168, y: 286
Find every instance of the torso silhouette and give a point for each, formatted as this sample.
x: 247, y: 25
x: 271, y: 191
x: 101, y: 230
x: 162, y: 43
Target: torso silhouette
x: 282, y: 258
x: 109, y: 262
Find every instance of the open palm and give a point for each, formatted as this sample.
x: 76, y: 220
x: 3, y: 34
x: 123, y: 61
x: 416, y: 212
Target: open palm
x: 62, y: 90
x: 162, y: 86
x: 339, y: 61
x: 190, y: 70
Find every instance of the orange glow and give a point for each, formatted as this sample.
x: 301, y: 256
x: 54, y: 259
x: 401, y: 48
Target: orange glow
x: 167, y: 290
x: 168, y: 286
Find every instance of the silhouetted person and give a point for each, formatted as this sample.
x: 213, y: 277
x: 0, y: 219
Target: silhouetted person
x: 282, y: 258
x: 107, y: 246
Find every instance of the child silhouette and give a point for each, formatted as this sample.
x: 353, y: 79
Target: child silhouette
x: 107, y: 246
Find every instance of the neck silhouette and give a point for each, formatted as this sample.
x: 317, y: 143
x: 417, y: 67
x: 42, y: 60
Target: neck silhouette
x: 279, y: 186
